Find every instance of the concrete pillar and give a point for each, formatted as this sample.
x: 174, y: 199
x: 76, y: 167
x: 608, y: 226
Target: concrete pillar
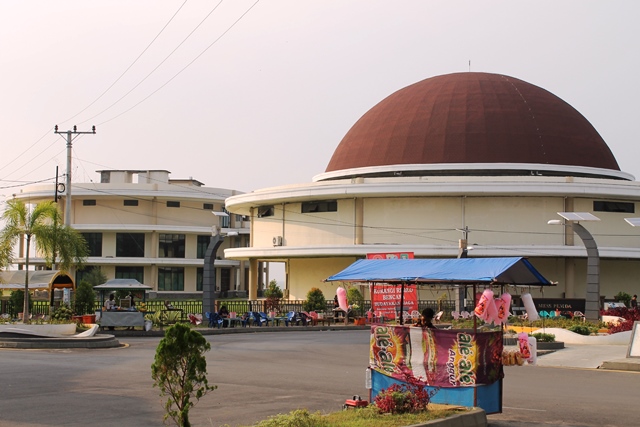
x: 253, y: 279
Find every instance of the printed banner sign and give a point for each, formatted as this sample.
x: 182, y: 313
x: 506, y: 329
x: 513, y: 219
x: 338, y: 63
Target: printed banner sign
x: 385, y: 299
x: 391, y: 255
x: 435, y: 357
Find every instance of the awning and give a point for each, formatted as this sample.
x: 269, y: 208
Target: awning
x: 38, y: 279
x: 498, y: 271
x: 117, y: 284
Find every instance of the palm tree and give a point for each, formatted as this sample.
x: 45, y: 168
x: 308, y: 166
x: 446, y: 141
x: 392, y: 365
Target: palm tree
x: 40, y: 225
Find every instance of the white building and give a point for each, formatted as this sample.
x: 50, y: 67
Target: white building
x: 153, y: 229
x: 486, y: 153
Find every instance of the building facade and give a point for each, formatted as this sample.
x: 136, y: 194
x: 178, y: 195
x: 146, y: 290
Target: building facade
x: 140, y: 224
x: 473, y: 160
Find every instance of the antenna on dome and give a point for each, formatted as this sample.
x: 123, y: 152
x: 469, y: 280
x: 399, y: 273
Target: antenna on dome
x: 469, y: 65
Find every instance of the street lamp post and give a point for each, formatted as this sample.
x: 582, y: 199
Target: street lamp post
x: 592, y: 300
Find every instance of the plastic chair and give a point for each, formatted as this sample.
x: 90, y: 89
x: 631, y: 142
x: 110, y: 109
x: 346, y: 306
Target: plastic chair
x: 455, y: 315
x: 214, y: 319
x: 579, y: 315
x: 438, y: 316
x: 544, y: 314
x: 465, y: 314
x: 292, y: 317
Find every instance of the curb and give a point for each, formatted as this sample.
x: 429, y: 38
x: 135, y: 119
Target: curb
x: 240, y: 330
x: 476, y: 417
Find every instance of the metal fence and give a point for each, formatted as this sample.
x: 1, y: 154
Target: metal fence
x: 238, y: 306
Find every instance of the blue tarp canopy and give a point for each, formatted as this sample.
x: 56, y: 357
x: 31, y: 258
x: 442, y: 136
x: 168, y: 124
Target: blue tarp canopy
x: 499, y: 271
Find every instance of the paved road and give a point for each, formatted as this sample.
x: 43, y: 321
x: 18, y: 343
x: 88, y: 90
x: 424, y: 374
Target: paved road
x: 263, y: 374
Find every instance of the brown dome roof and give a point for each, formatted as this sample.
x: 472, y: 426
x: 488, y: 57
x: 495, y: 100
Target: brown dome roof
x: 472, y: 118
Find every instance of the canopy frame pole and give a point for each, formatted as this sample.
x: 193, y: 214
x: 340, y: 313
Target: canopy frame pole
x: 401, y: 303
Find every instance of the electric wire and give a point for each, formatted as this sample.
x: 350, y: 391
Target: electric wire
x: 154, y: 69
x: 130, y: 65
x: 184, y: 68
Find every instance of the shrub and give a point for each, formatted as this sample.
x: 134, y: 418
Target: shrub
x: 315, y: 300
x: 355, y: 298
x: 297, y: 418
x: 402, y: 398
x: 540, y: 337
x: 629, y: 317
x: 85, y: 299
x: 623, y: 297
x: 580, y: 329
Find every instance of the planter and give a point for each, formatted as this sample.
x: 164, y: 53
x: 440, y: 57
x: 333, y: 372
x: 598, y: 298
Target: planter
x: 89, y: 319
x: 359, y: 321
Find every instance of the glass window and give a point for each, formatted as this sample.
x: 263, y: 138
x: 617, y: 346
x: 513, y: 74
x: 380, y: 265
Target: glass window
x: 622, y: 207
x: 265, y: 211
x: 171, y: 246
x: 131, y: 203
x: 173, y: 204
x: 322, y: 206
x: 203, y: 244
x: 94, y: 243
x: 90, y: 202
x: 199, y: 278
x: 81, y: 274
x: 170, y: 279
x: 207, y: 206
x: 130, y: 273
x: 130, y: 244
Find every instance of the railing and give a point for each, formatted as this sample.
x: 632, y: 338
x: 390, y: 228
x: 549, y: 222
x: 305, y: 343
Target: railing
x: 238, y: 306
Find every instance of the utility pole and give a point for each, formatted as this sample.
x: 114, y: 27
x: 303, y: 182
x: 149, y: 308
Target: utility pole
x: 462, y: 253
x: 71, y: 135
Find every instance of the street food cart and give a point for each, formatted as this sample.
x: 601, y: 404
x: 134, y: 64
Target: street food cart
x: 124, y: 315
x: 462, y: 367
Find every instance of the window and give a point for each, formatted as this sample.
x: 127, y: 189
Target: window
x: 265, y: 211
x: 622, y: 207
x: 224, y: 220
x: 170, y: 279
x: 199, y: 278
x: 130, y: 273
x: 323, y: 206
x: 131, y: 203
x: 173, y: 204
x: 90, y: 202
x: 171, y: 246
x: 203, y: 244
x: 130, y: 245
x: 94, y: 243
x: 207, y: 206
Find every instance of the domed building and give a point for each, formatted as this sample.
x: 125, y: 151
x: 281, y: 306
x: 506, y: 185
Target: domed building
x: 467, y: 159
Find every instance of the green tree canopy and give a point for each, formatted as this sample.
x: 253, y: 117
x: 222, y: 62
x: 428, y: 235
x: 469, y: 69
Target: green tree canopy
x: 40, y: 224
x: 180, y: 371
x: 315, y: 300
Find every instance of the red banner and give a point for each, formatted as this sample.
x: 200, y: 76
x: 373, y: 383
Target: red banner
x: 385, y: 299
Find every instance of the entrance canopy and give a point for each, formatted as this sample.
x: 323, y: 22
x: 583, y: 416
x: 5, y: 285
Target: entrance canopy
x: 496, y: 271
x: 38, y: 279
x: 122, y: 284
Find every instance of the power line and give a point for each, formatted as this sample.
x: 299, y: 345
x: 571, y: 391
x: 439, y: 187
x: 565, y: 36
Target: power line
x: 156, y: 67
x: 130, y: 65
x: 185, y: 67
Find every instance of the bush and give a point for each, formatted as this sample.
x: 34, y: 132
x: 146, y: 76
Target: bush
x: 355, y: 299
x: 623, y: 297
x: 410, y: 397
x: 85, y: 299
x: 629, y: 316
x: 580, y: 329
x: 298, y: 418
x: 540, y: 337
x: 315, y: 300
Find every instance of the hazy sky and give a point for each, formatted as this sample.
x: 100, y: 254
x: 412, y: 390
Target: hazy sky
x: 260, y: 100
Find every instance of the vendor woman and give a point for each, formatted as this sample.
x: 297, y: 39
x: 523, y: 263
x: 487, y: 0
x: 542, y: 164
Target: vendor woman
x: 426, y: 319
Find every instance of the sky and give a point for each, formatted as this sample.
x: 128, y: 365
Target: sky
x: 246, y: 94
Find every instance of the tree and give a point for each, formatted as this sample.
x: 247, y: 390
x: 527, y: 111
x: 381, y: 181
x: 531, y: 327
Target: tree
x: 85, y: 298
x: 273, y: 295
x: 180, y: 371
x: 355, y: 297
x: 315, y: 300
x: 41, y: 225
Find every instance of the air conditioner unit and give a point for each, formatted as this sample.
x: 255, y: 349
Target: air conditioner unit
x: 277, y: 241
